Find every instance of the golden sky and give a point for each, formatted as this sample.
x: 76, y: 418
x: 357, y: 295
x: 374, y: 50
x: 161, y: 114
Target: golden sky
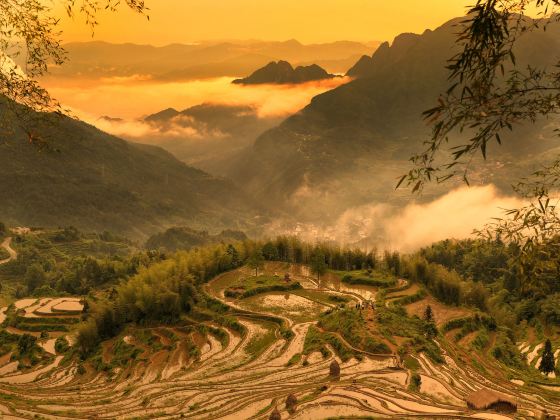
x: 308, y: 21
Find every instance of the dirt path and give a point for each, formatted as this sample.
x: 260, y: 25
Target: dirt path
x: 6, y: 244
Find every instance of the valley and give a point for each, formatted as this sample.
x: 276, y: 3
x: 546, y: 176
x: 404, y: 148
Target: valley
x: 250, y: 210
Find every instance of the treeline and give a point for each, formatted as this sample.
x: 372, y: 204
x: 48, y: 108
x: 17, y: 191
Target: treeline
x: 478, y: 260
x: 496, y: 277
x: 44, y: 276
x: 159, y: 293
x: 67, y: 261
x: 446, y: 285
x: 294, y: 250
x: 164, y: 291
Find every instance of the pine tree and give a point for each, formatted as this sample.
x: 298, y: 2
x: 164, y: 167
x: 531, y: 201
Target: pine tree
x: 428, y: 314
x: 547, y: 362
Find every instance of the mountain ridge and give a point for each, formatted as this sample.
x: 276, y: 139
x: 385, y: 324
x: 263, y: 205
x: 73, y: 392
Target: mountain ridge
x: 349, y: 145
x: 282, y: 72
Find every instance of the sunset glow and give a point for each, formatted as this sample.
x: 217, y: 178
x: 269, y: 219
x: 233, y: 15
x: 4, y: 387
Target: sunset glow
x: 308, y: 21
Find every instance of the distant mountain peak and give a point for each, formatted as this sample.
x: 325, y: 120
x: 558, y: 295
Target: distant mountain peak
x: 109, y: 118
x: 163, y: 115
x: 282, y: 72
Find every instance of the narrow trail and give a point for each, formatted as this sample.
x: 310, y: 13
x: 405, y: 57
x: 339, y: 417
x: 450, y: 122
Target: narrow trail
x: 6, y: 244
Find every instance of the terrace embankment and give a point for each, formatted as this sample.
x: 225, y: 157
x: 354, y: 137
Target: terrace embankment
x: 283, y: 343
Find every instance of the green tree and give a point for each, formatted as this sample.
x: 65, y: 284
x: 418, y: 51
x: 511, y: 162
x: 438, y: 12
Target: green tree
x: 430, y: 328
x: 87, y: 338
x: 26, y: 344
x: 256, y: 260
x: 547, y: 362
x: 512, y: 278
x: 318, y: 264
x: 34, y: 277
x: 415, y: 382
x: 270, y: 252
x: 234, y: 255
x: 428, y: 314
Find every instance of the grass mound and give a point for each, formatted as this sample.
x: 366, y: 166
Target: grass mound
x: 349, y: 323
x: 255, y: 285
x: 368, y: 278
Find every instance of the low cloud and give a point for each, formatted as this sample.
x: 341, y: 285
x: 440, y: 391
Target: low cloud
x: 142, y: 131
x: 133, y: 97
x: 455, y: 215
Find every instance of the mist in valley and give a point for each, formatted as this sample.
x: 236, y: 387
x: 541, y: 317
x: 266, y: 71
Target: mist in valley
x: 408, y: 227
x: 216, y: 229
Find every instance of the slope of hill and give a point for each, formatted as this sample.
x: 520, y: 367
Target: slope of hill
x: 282, y: 72
x: 349, y: 145
x: 184, y: 238
x: 208, y: 135
x: 92, y: 180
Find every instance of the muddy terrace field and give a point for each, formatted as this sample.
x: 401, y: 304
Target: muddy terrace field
x: 281, y: 343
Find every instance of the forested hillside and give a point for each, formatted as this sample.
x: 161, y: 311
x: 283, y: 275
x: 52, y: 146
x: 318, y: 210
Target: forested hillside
x: 74, y: 174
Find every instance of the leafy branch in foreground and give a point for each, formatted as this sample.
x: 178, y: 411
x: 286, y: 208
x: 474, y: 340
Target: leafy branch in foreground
x: 29, y: 36
x: 488, y: 92
x: 537, y: 222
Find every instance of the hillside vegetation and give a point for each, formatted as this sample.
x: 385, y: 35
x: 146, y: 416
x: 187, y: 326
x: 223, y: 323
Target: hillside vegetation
x: 317, y: 320
x: 183, y: 238
x: 86, y: 178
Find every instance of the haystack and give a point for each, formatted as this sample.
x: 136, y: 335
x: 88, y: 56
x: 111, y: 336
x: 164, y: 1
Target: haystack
x: 334, y: 369
x: 487, y: 399
x: 291, y: 402
x: 275, y: 415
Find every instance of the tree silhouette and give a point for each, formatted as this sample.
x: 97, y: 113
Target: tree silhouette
x: 31, y: 37
x: 428, y: 314
x: 318, y: 265
x: 547, y: 362
x: 256, y: 260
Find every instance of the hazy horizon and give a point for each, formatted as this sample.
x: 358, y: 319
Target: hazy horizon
x: 312, y: 21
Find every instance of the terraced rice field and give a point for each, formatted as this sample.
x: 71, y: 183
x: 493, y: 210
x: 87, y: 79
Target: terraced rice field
x: 215, y: 372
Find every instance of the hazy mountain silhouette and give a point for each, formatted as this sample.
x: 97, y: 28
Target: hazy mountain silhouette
x: 282, y: 72
x: 349, y: 145
x: 207, y: 59
x: 207, y: 136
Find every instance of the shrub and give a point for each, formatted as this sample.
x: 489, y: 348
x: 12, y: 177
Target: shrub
x: 407, y: 300
x: 61, y: 345
x: 481, y: 340
x: 366, y: 281
x: 273, y: 288
x: 415, y: 382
